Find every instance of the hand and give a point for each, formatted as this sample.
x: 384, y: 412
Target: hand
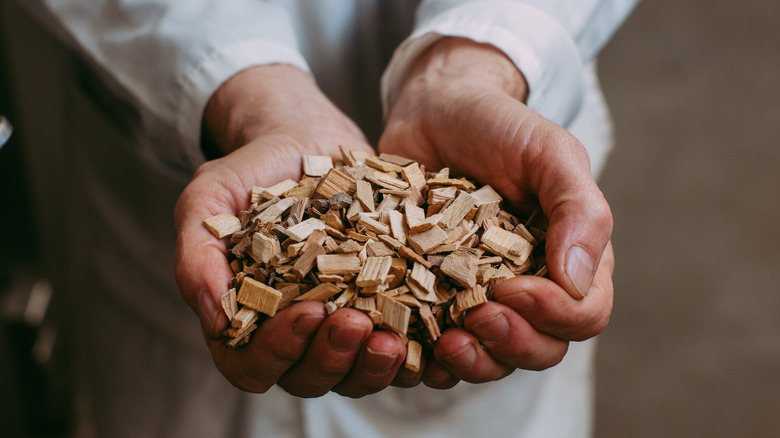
x: 265, y: 118
x: 461, y: 106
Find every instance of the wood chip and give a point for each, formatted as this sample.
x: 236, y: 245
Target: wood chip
x: 485, y: 195
x: 427, y: 240
x: 365, y: 195
x: 507, y: 244
x: 380, y: 164
x: 413, y: 360
x: 338, y: 263
x: 461, y: 266
x: 223, y: 225
x: 259, y: 297
x: 433, y: 248
x: 452, y: 215
x: 386, y: 181
x: 317, y: 165
x: 394, y: 314
x: 321, y: 292
x: 303, y: 230
x: 275, y: 211
x: 374, y: 271
x: 229, y: 303
x: 334, y: 182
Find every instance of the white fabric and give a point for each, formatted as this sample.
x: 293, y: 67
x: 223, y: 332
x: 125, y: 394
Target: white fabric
x: 165, y: 58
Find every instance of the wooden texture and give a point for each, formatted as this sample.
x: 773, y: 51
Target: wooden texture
x: 413, y: 250
x: 317, y: 165
x: 223, y: 225
x: 259, y: 297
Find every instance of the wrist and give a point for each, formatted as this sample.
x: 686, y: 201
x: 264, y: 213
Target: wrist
x: 463, y: 61
x: 256, y: 101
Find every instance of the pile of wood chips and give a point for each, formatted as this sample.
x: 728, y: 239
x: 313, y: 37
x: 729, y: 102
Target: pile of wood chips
x: 411, y: 249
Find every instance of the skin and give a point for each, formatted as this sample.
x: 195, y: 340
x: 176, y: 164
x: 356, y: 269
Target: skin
x: 461, y: 106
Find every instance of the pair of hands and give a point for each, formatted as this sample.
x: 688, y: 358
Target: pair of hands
x: 460, y: 107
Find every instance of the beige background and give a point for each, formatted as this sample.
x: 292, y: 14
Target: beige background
x: 693, y: 348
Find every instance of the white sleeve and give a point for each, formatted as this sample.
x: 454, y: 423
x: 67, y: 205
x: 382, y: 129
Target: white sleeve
x: 170, y: 56
x: 550, y: 41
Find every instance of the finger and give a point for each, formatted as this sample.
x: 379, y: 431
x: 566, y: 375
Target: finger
x: 549, y: 308
x: 460, y: 352
x: 580, y: 220
x: 406, y: 378
x: 376, y: 365
x: 219, y: 186
x: 201, y: 268
x: 511, y: 340
x: 437, y: 376
x: 276, y: 345
x: 330, y: 356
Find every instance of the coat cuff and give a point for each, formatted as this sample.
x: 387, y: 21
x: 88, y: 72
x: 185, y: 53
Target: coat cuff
x: 537, y: 44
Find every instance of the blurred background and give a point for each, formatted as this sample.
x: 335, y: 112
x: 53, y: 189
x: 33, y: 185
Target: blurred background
x: 693, y: 348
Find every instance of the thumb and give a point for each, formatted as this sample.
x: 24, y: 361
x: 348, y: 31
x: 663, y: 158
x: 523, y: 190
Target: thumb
x: 580, y: 220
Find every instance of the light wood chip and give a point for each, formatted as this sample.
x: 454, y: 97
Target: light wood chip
x: 460, y: 183
x: 258, y: 296
x: 278, y: 189
x: 223, y: 225
x: 423, y: 278
x: 396, y: 159
x: 317, y: 165
x: 374, y: 271
x: 429, y: 320
x: 414, y: 176
x: 395, y: 315
x: 452, y: 215
x: 229, y: 303
x: 414, y: 214
x: 427, y: 240
x: 378, y: 249
x: 303, y: 230
x: 485, y: 195
x: 265, y: 248
x: 398, y: 226
x: 413, y: 360
x: 461, y: 266
x: 274, y: 212
x: 409, y: 254
x: 349, y: 246
x: 336, y: 181
x: 427, y: 223
x: 320, y: 292
x: 386, y: 181
x: 365, y: 194
x: 338, y: 263
x: 507, y: 244
x: 380, y: 164
x: 372, y: 224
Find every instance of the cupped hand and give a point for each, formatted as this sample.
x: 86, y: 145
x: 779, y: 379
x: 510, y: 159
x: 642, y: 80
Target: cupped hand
x: 263, y: 120
x: 462, y: 106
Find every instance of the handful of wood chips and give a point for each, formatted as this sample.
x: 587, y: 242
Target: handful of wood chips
x: 413, y: 250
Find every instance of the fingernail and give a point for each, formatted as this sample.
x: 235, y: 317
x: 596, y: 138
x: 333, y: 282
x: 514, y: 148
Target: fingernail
x: 492, y: 329
x: 207, y: 312
x: 463, y: 359
x: 377, y: 362
x: 345, y: 338
x: 579, y: 269
x: 520, y: 302
x: 305, y: 326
